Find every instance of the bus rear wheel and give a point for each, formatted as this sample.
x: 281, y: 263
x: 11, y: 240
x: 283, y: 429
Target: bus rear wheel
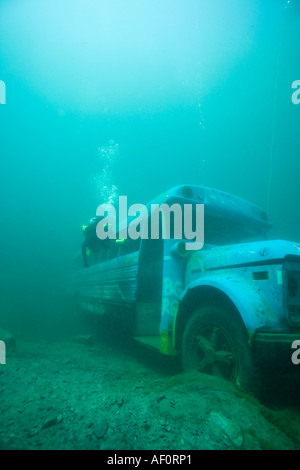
x: 215, y: 342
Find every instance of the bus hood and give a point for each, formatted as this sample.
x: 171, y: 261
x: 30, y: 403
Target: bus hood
x: 264, y: 252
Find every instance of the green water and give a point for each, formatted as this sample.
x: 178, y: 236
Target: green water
x: 190, y: 93
x: 138, y: 96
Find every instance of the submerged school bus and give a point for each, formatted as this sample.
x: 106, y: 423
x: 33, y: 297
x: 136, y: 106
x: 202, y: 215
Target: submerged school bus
x: 215, y: 307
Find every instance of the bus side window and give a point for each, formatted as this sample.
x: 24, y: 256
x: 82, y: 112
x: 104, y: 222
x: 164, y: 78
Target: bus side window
x: 113, y: 249
x: 103, y: 251
x: 129, y: 246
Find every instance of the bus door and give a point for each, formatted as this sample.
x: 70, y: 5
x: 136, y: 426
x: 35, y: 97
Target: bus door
x: 149, y: 288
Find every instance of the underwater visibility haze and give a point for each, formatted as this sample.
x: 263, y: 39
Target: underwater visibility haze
x: 101, y: 99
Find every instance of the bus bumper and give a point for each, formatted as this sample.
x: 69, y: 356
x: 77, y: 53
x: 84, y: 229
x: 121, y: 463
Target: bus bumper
x: 277, y: 349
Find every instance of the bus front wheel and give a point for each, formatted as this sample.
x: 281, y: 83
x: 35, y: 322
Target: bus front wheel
x: 215, y: 342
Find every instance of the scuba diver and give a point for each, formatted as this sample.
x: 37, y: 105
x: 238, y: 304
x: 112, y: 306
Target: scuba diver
x: 91, y: 241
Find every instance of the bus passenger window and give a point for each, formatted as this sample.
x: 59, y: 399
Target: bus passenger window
x: 129, y: 246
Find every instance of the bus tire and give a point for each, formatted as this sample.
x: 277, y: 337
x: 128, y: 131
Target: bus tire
x: 215, y: 342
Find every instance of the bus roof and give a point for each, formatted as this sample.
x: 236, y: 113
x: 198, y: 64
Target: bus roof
x: 218, y: 205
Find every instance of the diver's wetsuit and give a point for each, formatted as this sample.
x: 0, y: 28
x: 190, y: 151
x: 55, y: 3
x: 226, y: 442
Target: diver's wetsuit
x: 91, y: 241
